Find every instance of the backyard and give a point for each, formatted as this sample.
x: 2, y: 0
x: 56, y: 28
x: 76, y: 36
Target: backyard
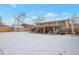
x: 25, y: 43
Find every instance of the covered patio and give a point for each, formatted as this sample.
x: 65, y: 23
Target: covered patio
x: 46, y: 29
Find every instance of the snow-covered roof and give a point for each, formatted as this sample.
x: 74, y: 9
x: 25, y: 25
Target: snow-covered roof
x: 52, y: 20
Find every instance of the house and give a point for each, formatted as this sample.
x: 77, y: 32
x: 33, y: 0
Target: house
x: 18, y: 28
x: 28, y: 27
x: 56, y: 27
x: 73, y: 29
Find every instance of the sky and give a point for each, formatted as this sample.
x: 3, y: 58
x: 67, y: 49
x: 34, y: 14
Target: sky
x: 53, y: 11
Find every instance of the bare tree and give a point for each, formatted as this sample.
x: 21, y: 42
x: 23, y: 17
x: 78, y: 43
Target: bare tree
x: 19, y: 20
x: 74, y: 18
x: 1, y: 23
x: 39, y: 19
x: 22, y: 16
x: 0, y: 19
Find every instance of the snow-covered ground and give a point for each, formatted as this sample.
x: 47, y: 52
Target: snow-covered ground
x: 30, y: 43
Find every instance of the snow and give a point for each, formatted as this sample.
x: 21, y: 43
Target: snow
x: 25, y: 43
